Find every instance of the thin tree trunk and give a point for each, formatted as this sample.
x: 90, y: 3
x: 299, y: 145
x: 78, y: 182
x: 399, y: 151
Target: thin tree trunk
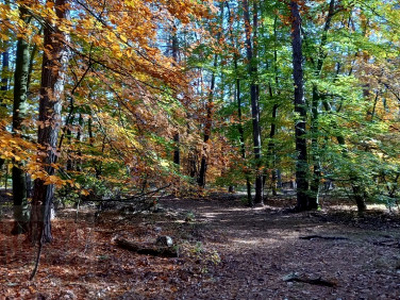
x: 207, y: 129
x: 4, y: 87
x: 31, y: 61
x: 316, y: 99
x: 5, y: 61
x: 55, y: 61
x: 20, y: 201
x: 177, y: 153
x: 241, y: 133
x: 239, y: 107
x: 272, y: 133
x: 70, y: 162
x: 79, y: 140
x: 175, y: 51
x: 300, y: 109
x: 315, y: 183
x: 358, y: 192
x: 209, y: 117
x: 255, y: 108
x: 97, y: 166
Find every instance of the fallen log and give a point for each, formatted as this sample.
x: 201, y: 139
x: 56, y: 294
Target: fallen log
x: 309, y: 280
x: 310, y: 237
x: 388, y: 243
x: 146, y: 249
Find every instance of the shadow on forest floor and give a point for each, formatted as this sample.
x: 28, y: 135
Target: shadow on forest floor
x: 227, y: 251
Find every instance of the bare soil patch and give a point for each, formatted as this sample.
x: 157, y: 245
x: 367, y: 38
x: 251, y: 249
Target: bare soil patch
x: 226, y: 251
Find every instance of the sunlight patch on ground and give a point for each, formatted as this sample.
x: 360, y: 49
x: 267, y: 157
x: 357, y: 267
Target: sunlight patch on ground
x: 270, y: 241
x: 379, y: 207
x: 212, y: 215
x: 247, y: 242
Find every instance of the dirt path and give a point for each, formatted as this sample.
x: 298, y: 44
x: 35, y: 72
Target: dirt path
x: 227, y: 251
x: 259, y: 247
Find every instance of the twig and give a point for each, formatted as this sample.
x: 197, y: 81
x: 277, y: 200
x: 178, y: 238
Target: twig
x: 38, y: 257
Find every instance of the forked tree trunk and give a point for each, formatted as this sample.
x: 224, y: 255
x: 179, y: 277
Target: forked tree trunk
x: 20, y: 201
x: 55, y: 61
x: 300, y: 109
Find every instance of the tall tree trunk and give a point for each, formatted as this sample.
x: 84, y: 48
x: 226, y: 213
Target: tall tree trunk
x: 241, y: 132
x: 316, y: 179
x: 20, y: 202
x: 55, y: 60
x: 209, y: 117
x: 272, y: 133
x: 316, y: 99
x: 175, y: 52
x: 255, y: 108
x: 239, y: 104
x: 300, y: 109
x: 3, y: 88
x: 207, y: 128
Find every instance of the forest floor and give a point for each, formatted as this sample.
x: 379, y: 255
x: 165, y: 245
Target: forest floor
x: 226, y: 251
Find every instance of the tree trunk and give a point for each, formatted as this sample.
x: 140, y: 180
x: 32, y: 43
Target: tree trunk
x: 5, y: 61
x: 255, y: 108
x: 3, y: 88
x: 316, y: 98
x: 315, y: 183
x: 357, y: 190
x: 20, y: 201
x: 272, y: 133
x: 175, y: 51
x: 239, y: 106
x: 241, y: 133
x: 300, y: 109
x: 55, y: 61
x: 207, y: 129
x: 31, y: 62
x: 359, y: 196
x: 79, y: 141
x: 209, y: 117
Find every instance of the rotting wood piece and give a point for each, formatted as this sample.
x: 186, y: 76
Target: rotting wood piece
x: 146, y: 249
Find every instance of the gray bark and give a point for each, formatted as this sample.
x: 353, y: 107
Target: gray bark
x: 19, y: 179
x: 55, y: 61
